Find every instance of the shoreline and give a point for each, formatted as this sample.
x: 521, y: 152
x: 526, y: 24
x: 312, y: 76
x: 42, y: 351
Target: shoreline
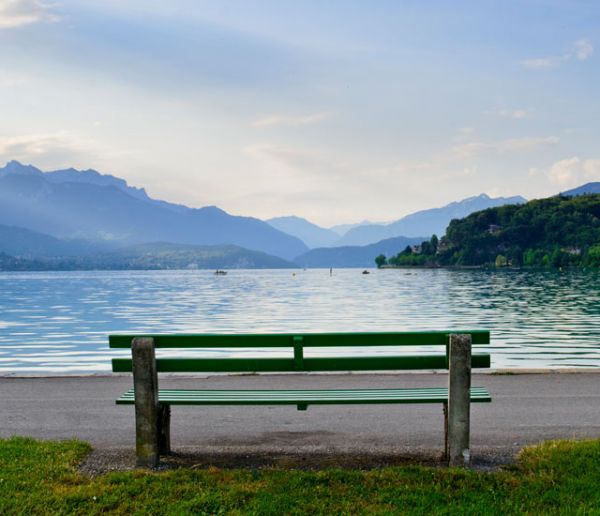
x: 484, y: 372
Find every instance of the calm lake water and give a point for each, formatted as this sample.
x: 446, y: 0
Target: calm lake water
x: 58, y: 322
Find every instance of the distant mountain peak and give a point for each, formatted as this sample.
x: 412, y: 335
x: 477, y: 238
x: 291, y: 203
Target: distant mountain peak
x: 70, y: 203
x: 425, y: 222
x: 311, y: 234
x: 16, y: 167
x: 588, y: 188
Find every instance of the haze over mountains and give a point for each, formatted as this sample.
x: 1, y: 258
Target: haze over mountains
x: 425, y: 222
x: 98, y: 220
x: 17, y: 241
x: 21, y: 249
x: 354, y: 256
x: 311, y: 234
x: 86, y: 205
x: 419, y: 224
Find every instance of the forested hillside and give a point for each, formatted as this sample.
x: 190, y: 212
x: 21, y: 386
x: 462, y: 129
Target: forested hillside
x: 557, y: 231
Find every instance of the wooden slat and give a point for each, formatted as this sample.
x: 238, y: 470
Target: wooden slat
x: 283, y: 340
x: 315, y: 364
x: 305, y: 397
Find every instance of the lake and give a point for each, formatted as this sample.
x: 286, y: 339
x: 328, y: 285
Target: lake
x: 57, y: 322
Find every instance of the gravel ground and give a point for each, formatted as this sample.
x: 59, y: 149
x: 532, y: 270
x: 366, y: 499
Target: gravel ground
x: 101, y: 461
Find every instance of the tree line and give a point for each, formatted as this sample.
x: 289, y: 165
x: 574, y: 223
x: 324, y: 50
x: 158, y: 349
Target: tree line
x: 554, y: 232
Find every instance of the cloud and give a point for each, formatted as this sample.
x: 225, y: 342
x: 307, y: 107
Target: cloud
x: 279, y: 120
x: 49, y: 149
x: 581, y: 50
x: 563, y: 172
x: 291, y: 160
x: 591, y: 169
x: 512, y: 145
x: 17, y: 13
x: 517, y: 114
x: 573, y: 171
x: 10, y: 80
x: 541, y: 63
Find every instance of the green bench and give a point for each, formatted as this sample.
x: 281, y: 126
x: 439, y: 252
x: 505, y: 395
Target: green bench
x: 152, y: 405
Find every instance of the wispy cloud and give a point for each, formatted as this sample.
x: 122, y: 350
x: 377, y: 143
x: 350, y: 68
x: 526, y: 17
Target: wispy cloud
x: 282, y: 120
x: 542, y: 62
x: 50, y: 149
x: 291, y: 159
x: 517, y: 114
x: 17, y: 13
x: 9, y: 79
x: 581, y: 50
x: 512, y: 145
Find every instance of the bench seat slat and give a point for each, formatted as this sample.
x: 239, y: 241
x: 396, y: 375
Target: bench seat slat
x: 304, y: 397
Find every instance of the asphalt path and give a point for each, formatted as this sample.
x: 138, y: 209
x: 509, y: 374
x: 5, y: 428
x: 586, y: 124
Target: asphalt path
x: 526, y: 409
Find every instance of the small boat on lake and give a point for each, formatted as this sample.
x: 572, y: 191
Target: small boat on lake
x: 220, y: 272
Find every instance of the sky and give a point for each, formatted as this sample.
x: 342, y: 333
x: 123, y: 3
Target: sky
x: 336, y: 111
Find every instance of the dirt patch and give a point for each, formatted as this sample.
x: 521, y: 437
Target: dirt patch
x: 101, y: 461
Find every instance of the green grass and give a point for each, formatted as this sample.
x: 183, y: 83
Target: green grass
x: 40, y: 477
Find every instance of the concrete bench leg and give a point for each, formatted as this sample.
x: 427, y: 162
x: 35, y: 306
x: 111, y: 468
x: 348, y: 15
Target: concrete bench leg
x: 459, y: 400
x: 164, y: 429
x: 145, y: 384
x: 445, y: 409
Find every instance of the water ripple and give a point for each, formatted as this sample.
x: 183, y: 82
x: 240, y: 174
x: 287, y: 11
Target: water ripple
x: 57, y: 323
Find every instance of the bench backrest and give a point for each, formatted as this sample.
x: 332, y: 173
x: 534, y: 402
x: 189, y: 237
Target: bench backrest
x: 296, y: 343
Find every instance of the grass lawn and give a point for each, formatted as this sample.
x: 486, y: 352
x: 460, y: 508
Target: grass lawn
x: 40, y: 477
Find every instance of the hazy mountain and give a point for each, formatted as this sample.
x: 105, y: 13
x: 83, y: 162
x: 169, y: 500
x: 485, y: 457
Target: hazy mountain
x: 11, y: 263
x: 156, y: 256
x: 311, y: 234
x: 355, y: 256
x: 24, y: 243
x: 425, y: 222
x: 178, y: 256
x: 588, y: 188
x: 86, y: 205
x: 342, y: 229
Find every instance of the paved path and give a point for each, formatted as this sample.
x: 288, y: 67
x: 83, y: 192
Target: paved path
x: 526, y: 409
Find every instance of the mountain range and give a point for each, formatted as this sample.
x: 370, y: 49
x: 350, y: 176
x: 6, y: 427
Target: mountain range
x: 421, y: 223
x: 87, y: 205
x: 588, y: 188
x: 429, y: 222
x: 354, y: 256
x: 91, y: 220
x: 23, y: 249
x: 24, y: 243
x: 311, y: 234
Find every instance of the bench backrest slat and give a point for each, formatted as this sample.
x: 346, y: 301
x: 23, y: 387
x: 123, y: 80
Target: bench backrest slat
x: 286, y: 340
x: 263, y: 365
x: 296, y: 344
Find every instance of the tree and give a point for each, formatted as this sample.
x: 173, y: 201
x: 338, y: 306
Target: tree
x: 594, y: 256
x: 501, y: 261
x: 434, y: 243
x: 381, y: 260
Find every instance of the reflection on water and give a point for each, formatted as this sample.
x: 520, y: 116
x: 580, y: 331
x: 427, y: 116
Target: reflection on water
x: 58, y: 322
